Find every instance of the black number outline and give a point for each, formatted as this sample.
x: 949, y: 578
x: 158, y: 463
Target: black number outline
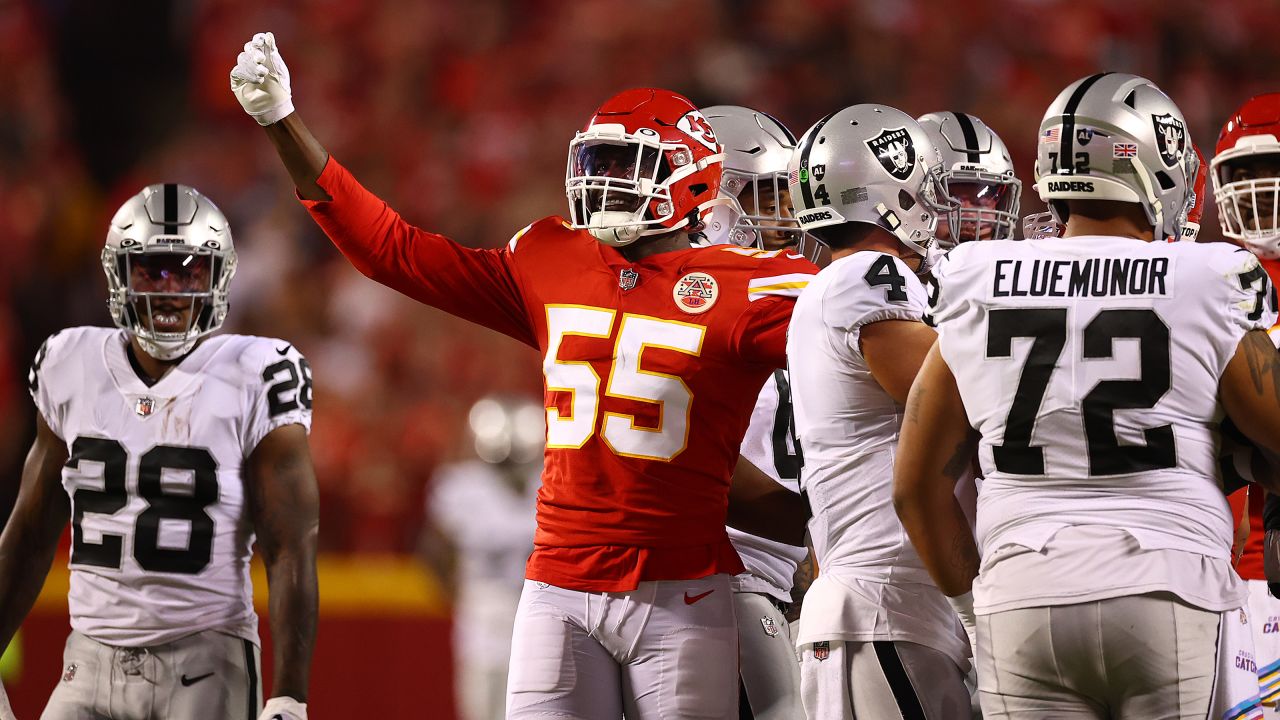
x: 111, y: 499
x: 786, y: 463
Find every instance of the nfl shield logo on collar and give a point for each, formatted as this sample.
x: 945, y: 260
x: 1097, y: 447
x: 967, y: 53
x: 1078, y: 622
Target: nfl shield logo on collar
x: 628, y: 279
x: 144, y: 406
x: 770, y: 627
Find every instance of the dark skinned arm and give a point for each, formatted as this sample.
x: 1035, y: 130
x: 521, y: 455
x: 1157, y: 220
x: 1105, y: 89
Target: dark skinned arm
x: 894, y: 351
x: 284, y: 506
x: 1250, y: 393
x: 30, y: 538
x: 760, y: 506
x: 303, y: 155
x: 934, y: 450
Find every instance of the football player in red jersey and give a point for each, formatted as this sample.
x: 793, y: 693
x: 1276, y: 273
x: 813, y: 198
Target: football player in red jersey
x: 1246, y: 186
x: 653, y: 353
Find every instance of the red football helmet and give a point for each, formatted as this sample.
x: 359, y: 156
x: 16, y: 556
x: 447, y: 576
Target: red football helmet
x: 646, y: 163
x: 1246, y: 175
x: 1191, y: 227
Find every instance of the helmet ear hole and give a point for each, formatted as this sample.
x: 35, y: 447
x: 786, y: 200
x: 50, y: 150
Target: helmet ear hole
x: 1166, y: 182
x: 905, y: 201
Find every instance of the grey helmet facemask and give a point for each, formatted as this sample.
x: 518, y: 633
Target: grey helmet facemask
x: 168, y: 252
x: 757, y: 148
x: 1115, y: 136
x: 977, y: 176
x: 870, y: 164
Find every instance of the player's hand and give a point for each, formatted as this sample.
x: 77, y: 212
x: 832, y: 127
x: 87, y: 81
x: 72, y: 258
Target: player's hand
x: 963, y: 605
x: 283, y: 708
x: 260, y: 80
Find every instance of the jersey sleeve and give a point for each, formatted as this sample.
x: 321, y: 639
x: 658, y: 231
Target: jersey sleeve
x: 760, y: 335
x: 872, y: 287
x: 1251, y: 298
x: 41, y: 381
x: 479, y: 285
x: 280, y: 389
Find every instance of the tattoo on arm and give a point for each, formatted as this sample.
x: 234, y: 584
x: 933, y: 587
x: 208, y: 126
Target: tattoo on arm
x: 1264, y: 363
x: 962, y: 457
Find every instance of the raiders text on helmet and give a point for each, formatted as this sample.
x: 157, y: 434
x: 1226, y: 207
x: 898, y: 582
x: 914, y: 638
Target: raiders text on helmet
x: 870, y: 164
x: 647, y: 163
x: 166, y: 247
x: 1114, y: 136
x: 1246, y: 175
x: 977, y: 176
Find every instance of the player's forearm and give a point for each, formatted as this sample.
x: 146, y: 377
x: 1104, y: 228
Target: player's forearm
x: 26, y: 554
x: 303, y: 155
x: 941, y: 536
x: 294, y: 605
x: 762, y: 507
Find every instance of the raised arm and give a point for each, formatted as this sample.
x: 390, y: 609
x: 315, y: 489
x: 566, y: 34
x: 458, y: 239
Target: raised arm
x: 476, y: 285
x: 31, y: 536
x: 284, y: 506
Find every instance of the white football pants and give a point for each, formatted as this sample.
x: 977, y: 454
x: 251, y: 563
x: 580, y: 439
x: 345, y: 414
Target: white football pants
x: 769, y: 668
x: 1133, y: 657
x: 664, y: 651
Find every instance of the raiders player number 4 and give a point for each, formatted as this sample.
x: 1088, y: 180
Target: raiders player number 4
x: 168, y: 450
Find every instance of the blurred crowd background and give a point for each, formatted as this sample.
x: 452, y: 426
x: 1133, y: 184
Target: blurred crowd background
x: 459, y: 114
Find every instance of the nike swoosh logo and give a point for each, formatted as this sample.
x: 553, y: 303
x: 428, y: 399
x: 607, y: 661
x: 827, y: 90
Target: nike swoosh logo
x: 284, y: 349
x: 691, y: 599
x: 189, y: 681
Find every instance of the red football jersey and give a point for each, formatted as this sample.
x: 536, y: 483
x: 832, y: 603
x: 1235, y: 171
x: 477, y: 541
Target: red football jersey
x: 651, y: 371
x: 1250, y: 565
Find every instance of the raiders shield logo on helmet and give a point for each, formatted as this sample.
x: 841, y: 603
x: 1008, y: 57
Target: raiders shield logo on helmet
x: 1171, y: 138
x: 895, y: 151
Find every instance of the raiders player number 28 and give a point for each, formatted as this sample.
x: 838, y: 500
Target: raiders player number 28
x: 174, y: 449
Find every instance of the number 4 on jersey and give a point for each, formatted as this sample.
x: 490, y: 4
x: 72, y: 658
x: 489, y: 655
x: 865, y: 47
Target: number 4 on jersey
x: 884, y: 272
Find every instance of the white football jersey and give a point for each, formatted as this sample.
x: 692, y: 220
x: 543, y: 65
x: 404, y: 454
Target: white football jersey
x: 871, y: 583
x: 161, y: 535
x: 1090, y: 366
x: 770, y: 445
x: 491, y: 525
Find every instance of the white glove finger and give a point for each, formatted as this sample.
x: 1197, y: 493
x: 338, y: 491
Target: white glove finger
x: 259, y: 38
x: 250, y: 46
x: 258, y: 57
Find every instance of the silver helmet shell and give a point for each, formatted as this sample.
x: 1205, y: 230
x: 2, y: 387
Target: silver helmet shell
x: 168, y: 219
x: 973, y: 154
x: 870, y: 164
x: 1115, y: 136
x: 757, y: 149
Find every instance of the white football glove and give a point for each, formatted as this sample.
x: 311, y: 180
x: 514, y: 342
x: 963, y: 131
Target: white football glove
x: 963, y: 605
x: 283, y: 708
x: 260, y: 80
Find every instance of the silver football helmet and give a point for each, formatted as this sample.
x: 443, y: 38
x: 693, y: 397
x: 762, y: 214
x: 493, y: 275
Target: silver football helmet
x: 754, y: 183
x: 1115, y: 136
x: 169, y: 260
x: 870, y: 164
x: 507, y: 429
x: 978, y: 177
